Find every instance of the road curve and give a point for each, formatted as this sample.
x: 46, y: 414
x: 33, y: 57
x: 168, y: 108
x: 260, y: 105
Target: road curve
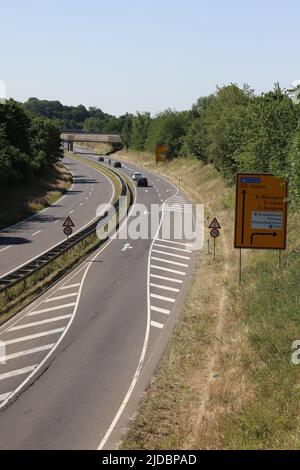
x: 125, y: 302
x: 32, y: 237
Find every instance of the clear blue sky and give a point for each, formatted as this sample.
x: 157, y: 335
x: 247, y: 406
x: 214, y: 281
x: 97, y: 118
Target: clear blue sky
x: 129, y: 55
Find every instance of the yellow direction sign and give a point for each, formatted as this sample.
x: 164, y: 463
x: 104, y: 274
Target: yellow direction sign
x: 161, y: 153
x: 260, y: 211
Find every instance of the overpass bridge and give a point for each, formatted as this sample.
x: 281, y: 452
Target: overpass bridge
x: 70, y: 137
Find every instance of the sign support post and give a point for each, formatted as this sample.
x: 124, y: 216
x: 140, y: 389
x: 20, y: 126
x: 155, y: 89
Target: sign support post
x: 214, y: 233
x: 240, y: 267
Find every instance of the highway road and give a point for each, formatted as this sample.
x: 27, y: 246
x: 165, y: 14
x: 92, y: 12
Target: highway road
x: 79, y: 358
x: 32, y: 237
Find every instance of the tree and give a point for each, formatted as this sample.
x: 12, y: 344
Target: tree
x: 93, y: 124
x: 140, y: 127
x: 169, y: 128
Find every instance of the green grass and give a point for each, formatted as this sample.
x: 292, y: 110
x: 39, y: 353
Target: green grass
x: 32, y: 196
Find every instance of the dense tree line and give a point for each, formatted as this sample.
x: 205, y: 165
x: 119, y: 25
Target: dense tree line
x: 76, y: 117
x: 29, y: 144
x: 233, y: 129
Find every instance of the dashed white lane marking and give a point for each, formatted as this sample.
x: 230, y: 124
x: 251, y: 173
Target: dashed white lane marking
x: 162, y: 297
x: 164, y: 278
x: 37, y: 335
x: 86, y: 198
x: 13, y: 373
x: 56, y: 222
x: 162, y: 200
x: 41, y: 322
x: 171, y: 254
x: 170, y: 262
x: 161, y: 268
x: 60, y: 297
x: 26, y: 353
x: 172, y: 242
x: 70, y: 286
x: 71, y: 212
x: 4, y: 396
x: 36, y: 233
x: 81, y: 204
x: 157, y: 325
x: 159, y: 286
x: 172, y: 248
x: 6, y: 248
x: 160, y: 310
x: 44, y: 310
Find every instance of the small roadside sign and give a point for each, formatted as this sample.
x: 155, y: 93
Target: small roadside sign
x: 214, y: 233
x: 68, y: 222
x: 260, y: 211
x: 161, y: 153
x: 68, y: 231
x: 215, y: 224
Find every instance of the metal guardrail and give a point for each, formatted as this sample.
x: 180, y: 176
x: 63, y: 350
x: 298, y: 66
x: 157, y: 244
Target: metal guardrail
x: 41, y: 261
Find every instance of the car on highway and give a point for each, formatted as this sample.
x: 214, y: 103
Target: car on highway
x: 142, y: 182
x: 136, y: 175
x: 100, y: 159
x: 118, y: 165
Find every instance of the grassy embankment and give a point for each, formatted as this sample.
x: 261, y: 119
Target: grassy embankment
x: 226, y: 379
x: 13, y: 299
x: 101, y: 149
x: 25, y: 199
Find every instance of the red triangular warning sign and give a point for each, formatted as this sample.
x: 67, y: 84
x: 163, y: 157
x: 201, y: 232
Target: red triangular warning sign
x: 215, y: 224
x: 68, y: 222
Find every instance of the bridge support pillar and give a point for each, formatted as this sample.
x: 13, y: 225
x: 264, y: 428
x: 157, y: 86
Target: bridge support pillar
x: 70, y: 146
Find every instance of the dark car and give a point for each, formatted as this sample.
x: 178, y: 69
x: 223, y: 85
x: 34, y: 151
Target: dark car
x: 118, y: 165
x: 142, y: 182
x: 100, y: 159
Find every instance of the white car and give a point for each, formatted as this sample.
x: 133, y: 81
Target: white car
x: 136, y: 176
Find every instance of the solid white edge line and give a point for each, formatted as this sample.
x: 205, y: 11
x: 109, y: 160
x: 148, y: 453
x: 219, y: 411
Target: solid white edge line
x: 143, y: 353
x: 51, y: 247
x: 20, y: 387
x: 44, y: 210
x: 4, y: 396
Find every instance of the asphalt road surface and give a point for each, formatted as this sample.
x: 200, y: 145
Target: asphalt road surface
x: 79, y: 358
x: 32, y: 237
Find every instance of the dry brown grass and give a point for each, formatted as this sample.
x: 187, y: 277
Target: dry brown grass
x: 191, y: 388
x: 226, y: 379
